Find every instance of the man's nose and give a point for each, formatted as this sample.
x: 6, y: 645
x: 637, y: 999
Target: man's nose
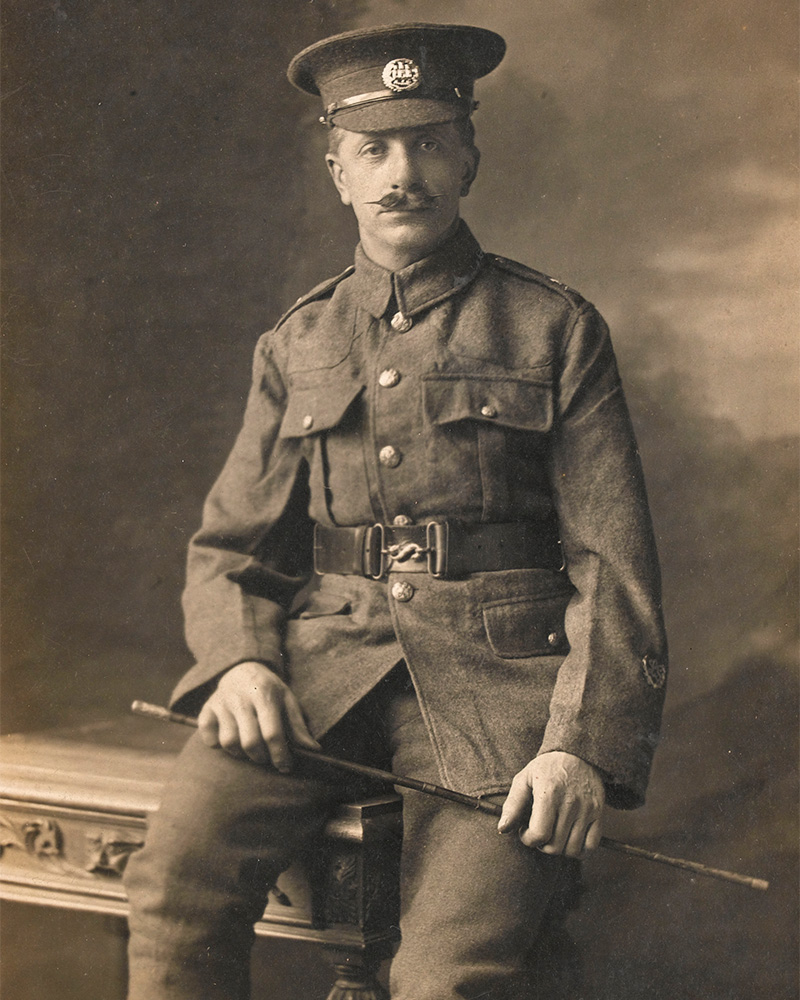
x: 404, y: 170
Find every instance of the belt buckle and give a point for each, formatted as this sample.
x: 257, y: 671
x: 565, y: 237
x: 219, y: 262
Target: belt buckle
x: 405, y: 557
x: 374, y: 552
x: 437, y: 541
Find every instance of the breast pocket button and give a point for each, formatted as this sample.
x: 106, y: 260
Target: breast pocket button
x: 390, y: 457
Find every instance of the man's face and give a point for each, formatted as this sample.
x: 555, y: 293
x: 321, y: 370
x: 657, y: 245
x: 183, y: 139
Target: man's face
x: 404, y: 187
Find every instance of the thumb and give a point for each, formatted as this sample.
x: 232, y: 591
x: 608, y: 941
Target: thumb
x: 517, y: 806
x: 297, y: 724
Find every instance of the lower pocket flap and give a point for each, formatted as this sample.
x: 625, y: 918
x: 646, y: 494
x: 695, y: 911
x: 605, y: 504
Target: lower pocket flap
x: 322, y: 605
x: 526, y: 626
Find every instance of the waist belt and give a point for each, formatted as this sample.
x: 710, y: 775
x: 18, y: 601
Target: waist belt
x: 443, y: 548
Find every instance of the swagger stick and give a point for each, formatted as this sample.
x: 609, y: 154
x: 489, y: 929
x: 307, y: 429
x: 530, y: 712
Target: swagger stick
x: 481, y: 805
x: 164, y: 714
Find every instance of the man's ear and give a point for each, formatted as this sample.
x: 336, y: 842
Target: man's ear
x: 336, y: 170
x: 470, y: 170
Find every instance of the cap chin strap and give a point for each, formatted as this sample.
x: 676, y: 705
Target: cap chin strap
x: 453, y: 96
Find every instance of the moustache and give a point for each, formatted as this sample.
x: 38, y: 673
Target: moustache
x: 397, y: 200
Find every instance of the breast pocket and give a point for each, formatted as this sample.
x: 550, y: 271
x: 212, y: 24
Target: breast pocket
x: 324, y: 414
x: 526, y: 626
x: 497, y: 428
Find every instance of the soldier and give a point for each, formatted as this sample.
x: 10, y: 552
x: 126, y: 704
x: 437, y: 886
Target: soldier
x: 440, y: 433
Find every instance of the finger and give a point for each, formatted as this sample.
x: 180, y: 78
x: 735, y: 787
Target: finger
x: 250, y: 738
x: 208, y: 726
x: 270, y: 721
x: 297, y: 724
x: 516, y: 807
x: 593, y: 836
x: 542, y: 822
x: 575, y: 846
x: 566, y: 817
x: 228, y: 730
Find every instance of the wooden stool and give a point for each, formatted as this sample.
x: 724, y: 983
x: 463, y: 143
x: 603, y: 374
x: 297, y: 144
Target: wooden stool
x: 74, y: 806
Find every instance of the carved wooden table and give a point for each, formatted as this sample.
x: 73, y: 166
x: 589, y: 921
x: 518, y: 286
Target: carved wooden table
x: 74, y: 807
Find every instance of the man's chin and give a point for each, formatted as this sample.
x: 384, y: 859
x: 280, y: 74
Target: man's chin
x: 420, y: 239
x: 399, y: 238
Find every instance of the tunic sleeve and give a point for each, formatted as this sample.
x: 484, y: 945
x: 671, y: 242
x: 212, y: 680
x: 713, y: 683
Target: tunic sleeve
x: 252, y: 553
x: 607, y: 701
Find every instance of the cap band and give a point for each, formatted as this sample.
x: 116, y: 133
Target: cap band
x: 452, y: 96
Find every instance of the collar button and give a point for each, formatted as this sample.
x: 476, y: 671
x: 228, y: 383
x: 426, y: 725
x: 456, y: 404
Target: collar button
x: 401, y: 323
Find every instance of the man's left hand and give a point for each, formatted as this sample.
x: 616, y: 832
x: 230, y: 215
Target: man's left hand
x: 556, y: 802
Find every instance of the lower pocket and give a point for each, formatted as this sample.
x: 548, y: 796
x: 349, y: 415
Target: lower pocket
x: 526, y: 626
x: 323, y: 605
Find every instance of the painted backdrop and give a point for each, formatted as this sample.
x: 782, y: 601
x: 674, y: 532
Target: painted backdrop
x: 165, y: 201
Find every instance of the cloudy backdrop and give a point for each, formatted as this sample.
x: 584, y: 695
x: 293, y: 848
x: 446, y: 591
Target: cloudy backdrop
x: 164, y: 202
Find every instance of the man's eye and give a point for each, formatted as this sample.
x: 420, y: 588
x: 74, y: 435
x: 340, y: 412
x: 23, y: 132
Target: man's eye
x: 373, y: 149
x: 429, y: 145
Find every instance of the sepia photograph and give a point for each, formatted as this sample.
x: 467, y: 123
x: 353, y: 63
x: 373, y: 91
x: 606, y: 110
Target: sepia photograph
x: 400, y: 500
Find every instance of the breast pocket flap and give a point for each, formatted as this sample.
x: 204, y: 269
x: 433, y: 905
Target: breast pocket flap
x: 317, y: 408
x: 517, y: 403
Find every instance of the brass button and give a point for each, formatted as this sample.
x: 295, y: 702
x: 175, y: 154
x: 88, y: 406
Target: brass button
x: 402, y: 520
x: 401, y: 323
x: 553, y: 638
x: 389, y: 377
x: 390, y: 457
x: 308, y: 422
x: 489, y: 411
x: 402, y: 591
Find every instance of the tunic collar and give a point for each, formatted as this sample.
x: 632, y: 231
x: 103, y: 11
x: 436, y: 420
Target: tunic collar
x: 422, y: 284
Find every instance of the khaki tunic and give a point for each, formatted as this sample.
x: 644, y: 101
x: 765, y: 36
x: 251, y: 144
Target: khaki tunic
x: 500, y: 402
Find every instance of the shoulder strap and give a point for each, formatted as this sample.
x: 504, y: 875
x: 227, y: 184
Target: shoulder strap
x: 529, y: 274
x: 318, y: 292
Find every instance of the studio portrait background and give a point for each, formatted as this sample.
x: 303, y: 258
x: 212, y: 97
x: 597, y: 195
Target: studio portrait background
x: 165, y: 200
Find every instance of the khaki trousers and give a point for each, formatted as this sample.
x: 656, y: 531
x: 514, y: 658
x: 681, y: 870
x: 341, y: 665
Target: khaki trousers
x: 475, y: 904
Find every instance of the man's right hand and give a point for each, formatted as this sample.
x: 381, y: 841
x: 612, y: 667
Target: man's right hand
x: 255, y: 713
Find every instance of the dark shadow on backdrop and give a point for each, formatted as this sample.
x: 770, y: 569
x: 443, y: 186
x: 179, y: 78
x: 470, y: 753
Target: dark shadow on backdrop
x: 160, y: 211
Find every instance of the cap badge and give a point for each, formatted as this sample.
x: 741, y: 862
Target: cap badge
x: 401, y: 74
